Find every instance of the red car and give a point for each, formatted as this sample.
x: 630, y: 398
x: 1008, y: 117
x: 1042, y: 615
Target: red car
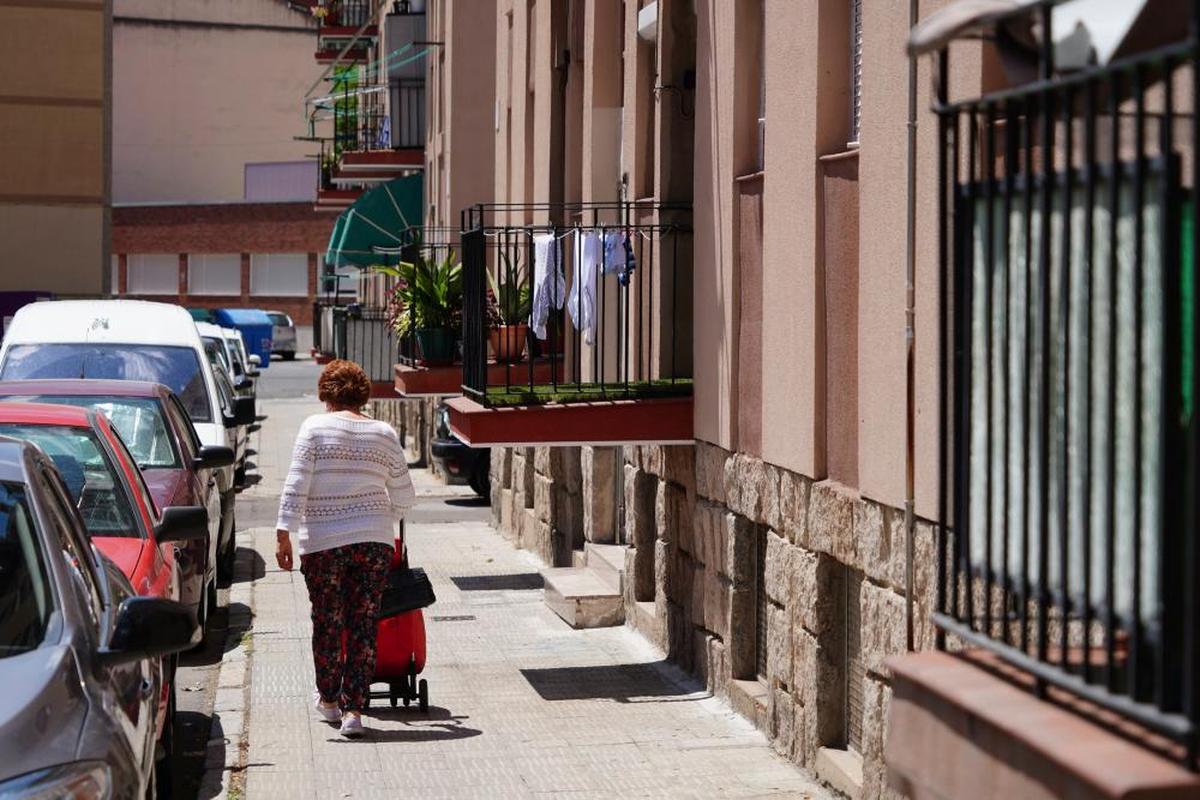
x: 177, y: 469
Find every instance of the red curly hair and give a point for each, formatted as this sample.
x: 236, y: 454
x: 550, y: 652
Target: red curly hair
x: 344, y: 384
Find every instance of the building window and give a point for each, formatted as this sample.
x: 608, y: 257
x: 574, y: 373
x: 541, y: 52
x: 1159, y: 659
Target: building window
x: 856, y: 50
x: 114, y: 287
x: 211, y: 273
x: 279, y: 274
x: 153, y: 273
x: 856, y: 671
x: 762, y: 605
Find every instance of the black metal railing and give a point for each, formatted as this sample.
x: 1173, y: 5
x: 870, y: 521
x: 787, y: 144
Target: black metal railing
x: 429, y: 246
x: 621, y: 330
x: 380, y: 116
x: 348, y: 13
x: 367, y: 338
x: 1069, y: 441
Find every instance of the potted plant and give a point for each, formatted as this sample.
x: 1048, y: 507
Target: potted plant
x: 427, y: 305
x: 510, y: 301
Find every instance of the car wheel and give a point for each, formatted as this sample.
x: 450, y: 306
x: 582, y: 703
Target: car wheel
x: 480, y: 480
x: 228, y: 557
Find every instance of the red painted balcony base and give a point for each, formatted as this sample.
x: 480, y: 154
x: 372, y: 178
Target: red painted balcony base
x: 419, y: 381
x: 366, y: 160
x: 964, y: 722
x: 615, y: 422
x: 353, y: 56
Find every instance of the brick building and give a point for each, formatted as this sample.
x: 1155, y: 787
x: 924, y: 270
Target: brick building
x: 257, y: 255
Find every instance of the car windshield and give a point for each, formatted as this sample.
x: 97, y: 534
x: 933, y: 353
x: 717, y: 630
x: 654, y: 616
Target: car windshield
x: 26, y: 601
x: 139, y: 421
x: 278, y: 319
x: 176, y: 367
x: 90, y: 477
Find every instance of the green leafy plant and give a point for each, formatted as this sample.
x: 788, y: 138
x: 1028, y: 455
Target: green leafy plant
x: 511, y: 297
x: 428, y: 295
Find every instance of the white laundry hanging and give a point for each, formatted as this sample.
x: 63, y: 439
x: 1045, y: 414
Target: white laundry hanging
x: 581, y: 303
x: 549, y: 285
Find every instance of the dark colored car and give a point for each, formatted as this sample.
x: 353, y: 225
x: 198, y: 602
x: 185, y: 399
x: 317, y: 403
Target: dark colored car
x: 178, y: 470
x: 471, y: 465
x: 81, y: 658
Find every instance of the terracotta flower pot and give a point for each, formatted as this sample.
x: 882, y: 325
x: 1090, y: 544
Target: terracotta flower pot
x: 508, y: 342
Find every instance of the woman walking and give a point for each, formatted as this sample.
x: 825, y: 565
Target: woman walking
x: 347, y: 487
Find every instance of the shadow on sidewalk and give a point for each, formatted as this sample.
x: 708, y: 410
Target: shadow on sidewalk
x: 258, y: 567
x: 624, y: 683
x: 435, y: 725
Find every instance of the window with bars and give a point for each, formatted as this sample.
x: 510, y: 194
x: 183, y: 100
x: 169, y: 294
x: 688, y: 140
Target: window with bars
x: 761, y: 603
x: 855, y: 667
x: 856, y: 52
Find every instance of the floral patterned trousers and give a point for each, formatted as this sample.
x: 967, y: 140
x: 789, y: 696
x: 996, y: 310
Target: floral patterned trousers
x: 345, y: 587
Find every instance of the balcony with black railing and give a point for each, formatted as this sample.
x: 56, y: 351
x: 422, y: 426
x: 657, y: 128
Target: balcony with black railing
x: 601, y: 298
x: 1069, y: 549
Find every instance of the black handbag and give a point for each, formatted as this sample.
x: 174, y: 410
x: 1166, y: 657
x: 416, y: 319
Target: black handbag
x: 407, y: 589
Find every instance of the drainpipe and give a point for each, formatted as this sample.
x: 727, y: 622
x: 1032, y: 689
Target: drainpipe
x: 910, y: 313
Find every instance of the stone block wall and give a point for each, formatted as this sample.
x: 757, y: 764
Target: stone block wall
x: 538, y: 500
x: 414, y: 421
x: 694, y: 519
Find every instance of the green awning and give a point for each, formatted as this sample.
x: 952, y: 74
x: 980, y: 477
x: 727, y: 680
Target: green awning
x: 377, y: 220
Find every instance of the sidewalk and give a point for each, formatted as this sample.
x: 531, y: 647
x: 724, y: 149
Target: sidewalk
x: 521, y: 705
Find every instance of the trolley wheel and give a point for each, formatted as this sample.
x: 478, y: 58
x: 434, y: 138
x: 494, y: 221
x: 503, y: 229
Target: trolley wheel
x: 393, y: 696
x: 406, y: 700
x: 423, y: 694
x: 367, y: 700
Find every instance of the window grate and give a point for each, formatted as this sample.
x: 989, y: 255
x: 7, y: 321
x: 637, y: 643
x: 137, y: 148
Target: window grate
x: 856, y: 51
x: 761, y: 603
x: 856, y: 671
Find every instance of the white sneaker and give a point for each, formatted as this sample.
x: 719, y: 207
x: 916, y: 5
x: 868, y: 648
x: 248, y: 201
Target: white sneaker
x: 328, y: 713
x: 352, y: 726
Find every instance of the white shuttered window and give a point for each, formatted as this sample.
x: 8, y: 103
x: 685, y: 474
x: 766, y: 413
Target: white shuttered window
x: 215, y: 273
x: 153, y: 273
x: 279, y: 274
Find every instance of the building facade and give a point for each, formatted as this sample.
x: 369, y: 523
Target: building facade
x: 214, y: 188
x: 54, y: 148
x: 787, y: 553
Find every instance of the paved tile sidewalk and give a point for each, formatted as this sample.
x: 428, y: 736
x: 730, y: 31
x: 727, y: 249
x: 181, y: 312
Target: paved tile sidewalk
x: 521, y: 705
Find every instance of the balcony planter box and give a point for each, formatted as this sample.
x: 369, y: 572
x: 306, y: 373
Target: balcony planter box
x: 508, y: 342
x: 437, y: 346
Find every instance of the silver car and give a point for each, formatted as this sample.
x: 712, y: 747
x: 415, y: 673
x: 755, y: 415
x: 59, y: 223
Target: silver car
x: 81, y: 658
x: 283, y: 335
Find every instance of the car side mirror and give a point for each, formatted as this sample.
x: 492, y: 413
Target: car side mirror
x: 253, y: 373
x: 182, y: 524
x: 213, y: 456
x: 255, y: 360
x: 149, y: 627
x: 245, y: 411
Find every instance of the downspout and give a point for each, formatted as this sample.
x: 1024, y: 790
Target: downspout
x: 910, y: 313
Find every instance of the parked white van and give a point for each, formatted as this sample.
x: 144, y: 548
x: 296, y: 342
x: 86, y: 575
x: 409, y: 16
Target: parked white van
x: 130, y: 340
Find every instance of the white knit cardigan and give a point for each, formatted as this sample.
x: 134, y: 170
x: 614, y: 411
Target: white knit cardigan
x: 348, y: 483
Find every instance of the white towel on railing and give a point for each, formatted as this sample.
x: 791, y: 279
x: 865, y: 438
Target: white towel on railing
x: 549, y: 285
x: 589, y: 253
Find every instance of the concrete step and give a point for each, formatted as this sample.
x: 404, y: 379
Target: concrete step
x: 582, y: 597
x: 608, y: 560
